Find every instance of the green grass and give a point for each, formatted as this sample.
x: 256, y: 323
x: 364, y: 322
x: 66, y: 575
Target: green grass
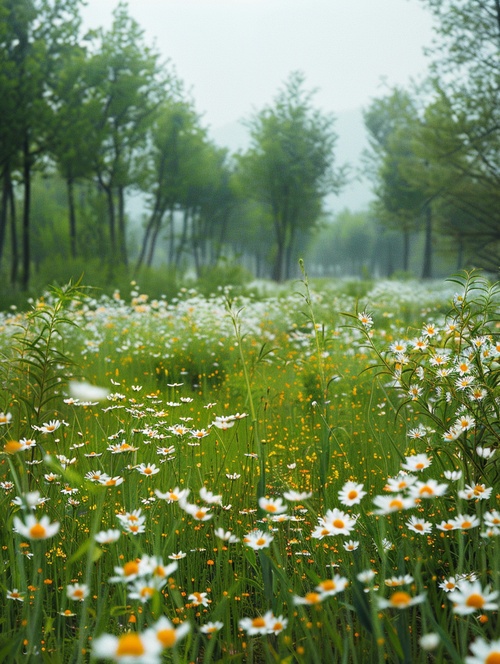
x: 325, y: 401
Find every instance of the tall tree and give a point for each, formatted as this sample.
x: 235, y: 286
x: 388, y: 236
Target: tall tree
x: 127, y: 84
x: 35, y: 35
x: 464, y: 128
x: 289, y: 166
x: 176, y: 139
x: 391, y: 122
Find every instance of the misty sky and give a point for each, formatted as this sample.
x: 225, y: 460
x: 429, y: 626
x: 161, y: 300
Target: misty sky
x: 233, y: 55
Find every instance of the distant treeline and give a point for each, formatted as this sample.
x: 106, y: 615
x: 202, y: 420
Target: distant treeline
x: 92, y: 122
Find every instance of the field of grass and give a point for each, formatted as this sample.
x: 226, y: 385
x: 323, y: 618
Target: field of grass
x: 298, y: 474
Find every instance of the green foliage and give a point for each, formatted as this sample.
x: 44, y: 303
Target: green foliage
x: 35, y: 369
x: 151, y: 436
x: 289, y: 167
x: 221, y: 277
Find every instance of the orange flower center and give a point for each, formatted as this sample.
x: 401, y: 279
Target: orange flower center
x: 352, y: 494
x: 200, y: 514
x: 475, y: 600
x: 466, y: 524
x: 37, y: 531
x: 130, y: 644
x: 261, y: 541
x: 12, y: 446
x: 338, y: 523
x: 400, y: 599
x: 396, y: 504
x: 313, y: 598
x: 493, y: 658
x: 418, y: 526
x: 78, y: 593
x: 147, y: 591
x: 419, y: 466
x: 448, y: 526
x: 130, y: 568
x: 258, y: 622
x: 166, y: 637
x: 329, y: 584
x: 426, y: 490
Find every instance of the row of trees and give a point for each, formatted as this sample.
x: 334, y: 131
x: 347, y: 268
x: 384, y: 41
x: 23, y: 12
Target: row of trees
x: 104, y: 116
x: 436, y: 147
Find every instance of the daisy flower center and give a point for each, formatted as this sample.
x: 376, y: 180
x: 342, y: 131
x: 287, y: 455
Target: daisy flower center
x: 313, y: 598
x: 396, y: 504
x: 166, y: 637
x: 419, y: 466
x: 400, y: 599
x: 12, y: 447
x: 352, y: 494
x: 466, y: 524
x: 493, y: 658
x: 475, y: 600
x: 130, y: 644
x: 328, y: 585
x: 37, y: 531
x: 338, y: 523
x: 147, y: 591
x: 426, y: 490
x: 418, y: 526
x: 130, y: 568
x: 260, y: 541
x: 200, y: 514
x: 78, y: 593
x: 258, y: 622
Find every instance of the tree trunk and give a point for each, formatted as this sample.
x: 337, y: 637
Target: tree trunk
x: 111, y: 220
x: 26, y: 215
x: 154, y: 238
x: 3, y: 209
x: 147, y: 234
x: 171, y: 248
x: 406, y: 249
x: 183, y: 239
x: 460, y: 254
x: 427, y: 263
x: 277, y: 269
x: 14, y: 266
x: 122, y: 236
x: 72, y: 216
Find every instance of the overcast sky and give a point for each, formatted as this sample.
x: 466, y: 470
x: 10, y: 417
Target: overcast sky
x: 233, y: 55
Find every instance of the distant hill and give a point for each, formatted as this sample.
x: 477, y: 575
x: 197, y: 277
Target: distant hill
x: 351, y: 143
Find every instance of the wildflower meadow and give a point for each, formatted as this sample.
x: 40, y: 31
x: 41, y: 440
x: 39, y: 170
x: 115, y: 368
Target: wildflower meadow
x: 295, y: 474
